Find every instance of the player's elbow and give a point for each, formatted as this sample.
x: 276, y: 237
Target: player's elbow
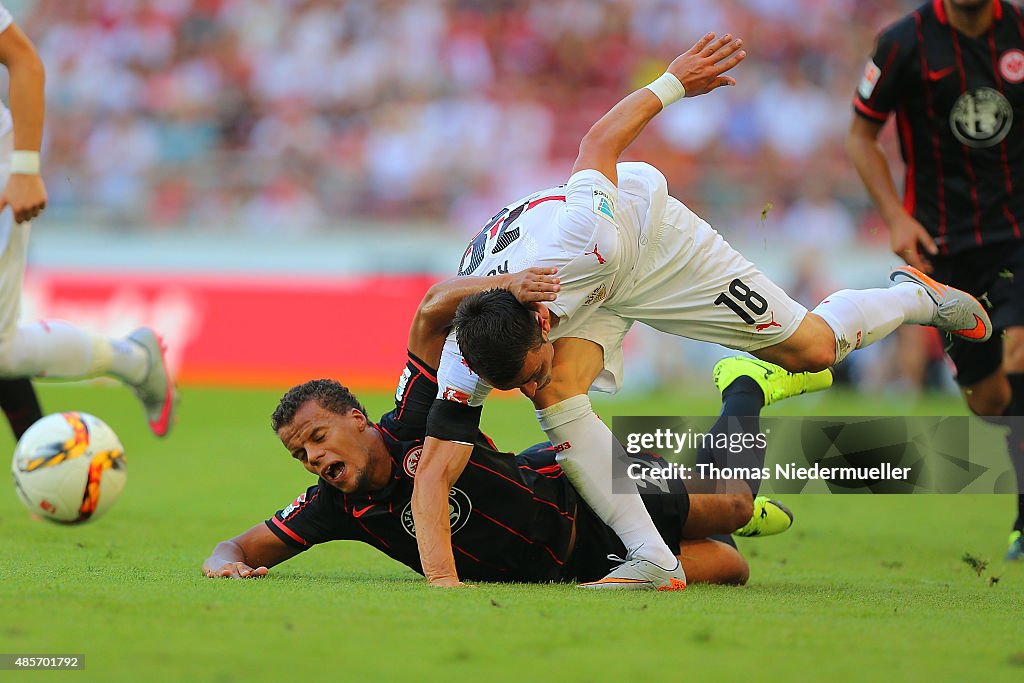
x: 856, y: 145
x: 430, y: 313
x: 20, y: 57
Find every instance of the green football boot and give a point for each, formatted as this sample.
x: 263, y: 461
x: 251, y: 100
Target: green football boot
x: 770, y: 517
x: 776, y: 382
x: 1016, y: 551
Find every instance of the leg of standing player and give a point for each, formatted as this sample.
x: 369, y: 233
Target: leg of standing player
x: 54, y: 349
x: 17, y: 396
x: 1001, y: 393
x: 991, y: 374
x: 20, y: 404
x: 59, y: 350
x: 1013, y: 365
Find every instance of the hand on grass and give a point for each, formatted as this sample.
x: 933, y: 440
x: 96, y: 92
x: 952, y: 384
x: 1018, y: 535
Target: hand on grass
x: 235, y: 570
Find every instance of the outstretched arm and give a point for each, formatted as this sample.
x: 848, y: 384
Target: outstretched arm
x: 433, y: 319
x: 249, y: 555
x: 25, y: 192
x: 696, y: 72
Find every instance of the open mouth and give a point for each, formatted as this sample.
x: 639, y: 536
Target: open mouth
x: 334, y: 471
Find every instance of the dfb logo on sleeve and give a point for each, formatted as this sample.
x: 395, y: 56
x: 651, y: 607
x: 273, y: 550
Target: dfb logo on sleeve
x: 453, y: 394
x: 867, y: 84
x: 295, y: 505
x: 403, y: 382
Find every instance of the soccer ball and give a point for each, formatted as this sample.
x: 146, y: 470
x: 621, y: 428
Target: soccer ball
x: 69, y: 467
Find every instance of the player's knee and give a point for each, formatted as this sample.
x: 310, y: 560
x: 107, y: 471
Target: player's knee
x: 821, y: 353
x: 558, y: 390
x: 741, y: 509
x: 732, y: 567
x: 741, y: 571
x: 1013, y: 350
x: 810, y: 349
x: 988, y: 400
x: 816, y: 356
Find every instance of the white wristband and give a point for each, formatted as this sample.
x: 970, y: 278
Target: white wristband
x: 25, y: 162
x: 668, y: 89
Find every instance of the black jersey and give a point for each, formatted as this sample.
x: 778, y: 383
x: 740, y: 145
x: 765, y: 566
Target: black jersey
x: 511, y: 516
x: 959, y: 105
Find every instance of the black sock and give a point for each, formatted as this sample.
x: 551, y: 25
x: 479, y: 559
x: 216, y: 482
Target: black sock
x: 741, y: 409
x: 742, y: 398
x: 20, y: 404
x: 1015, y: 440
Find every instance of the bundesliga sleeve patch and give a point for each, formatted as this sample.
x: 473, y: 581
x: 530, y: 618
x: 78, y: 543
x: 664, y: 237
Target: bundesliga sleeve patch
x: 867, y: 84
x: 604, y: 204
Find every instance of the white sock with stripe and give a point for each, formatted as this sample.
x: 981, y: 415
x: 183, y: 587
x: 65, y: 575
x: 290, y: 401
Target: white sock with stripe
x: 586, y: 458
x: 60, y: 350
x: 860, y: 317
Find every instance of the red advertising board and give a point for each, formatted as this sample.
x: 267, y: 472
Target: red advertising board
x: 246, y: 330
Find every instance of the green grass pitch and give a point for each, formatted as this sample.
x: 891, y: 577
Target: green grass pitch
x: 862, y: 588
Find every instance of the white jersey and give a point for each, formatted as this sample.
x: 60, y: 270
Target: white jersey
x: 5, y: 115
x: 593, y: 232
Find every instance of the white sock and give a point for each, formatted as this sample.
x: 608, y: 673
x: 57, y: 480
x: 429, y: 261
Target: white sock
x: 59, y: 350
x: 860, y: 317
x: 587, y: 460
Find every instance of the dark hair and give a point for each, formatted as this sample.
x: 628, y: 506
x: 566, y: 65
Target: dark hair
x: 329, y: 395
x: 495, y: 332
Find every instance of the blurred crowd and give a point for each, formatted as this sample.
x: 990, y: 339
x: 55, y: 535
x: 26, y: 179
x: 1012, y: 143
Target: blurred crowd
x: 264, y: 116
x: 284, y: 117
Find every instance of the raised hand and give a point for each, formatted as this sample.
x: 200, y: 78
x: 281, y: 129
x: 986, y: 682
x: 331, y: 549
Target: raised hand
x: 700, y: 68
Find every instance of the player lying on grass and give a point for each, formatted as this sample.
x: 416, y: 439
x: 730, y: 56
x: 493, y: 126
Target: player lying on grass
x: 513, y: 518
x: 626, y: 251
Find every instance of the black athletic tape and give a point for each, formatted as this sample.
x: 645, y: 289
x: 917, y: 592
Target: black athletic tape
x: 451, y: 421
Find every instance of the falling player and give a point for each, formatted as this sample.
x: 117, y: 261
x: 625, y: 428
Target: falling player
x: 626, y: 251
x: 513, y: 518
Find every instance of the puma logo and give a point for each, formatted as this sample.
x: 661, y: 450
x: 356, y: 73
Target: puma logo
x: 765, y: 326
x: 600, y: 259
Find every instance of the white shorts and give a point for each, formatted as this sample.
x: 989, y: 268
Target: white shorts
x: 689, y: 282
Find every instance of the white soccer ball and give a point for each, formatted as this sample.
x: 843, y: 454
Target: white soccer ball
x: 69, y: 467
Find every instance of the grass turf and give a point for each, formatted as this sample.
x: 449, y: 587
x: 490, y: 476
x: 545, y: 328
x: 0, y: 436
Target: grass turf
x: 863, y: 587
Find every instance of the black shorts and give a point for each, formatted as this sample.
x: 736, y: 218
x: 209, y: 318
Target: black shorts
x: 595, y: 540
x: 995, y: 275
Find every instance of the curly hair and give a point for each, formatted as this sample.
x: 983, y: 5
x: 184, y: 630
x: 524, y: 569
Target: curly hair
x: 329, y: 395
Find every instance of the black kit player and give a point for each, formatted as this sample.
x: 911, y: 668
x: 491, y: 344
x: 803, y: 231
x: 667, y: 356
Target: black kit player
x: 952, y: 71
x: 513, y: 518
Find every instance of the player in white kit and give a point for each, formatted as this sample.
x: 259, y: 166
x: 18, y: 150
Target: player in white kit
x: 626, y: 251
x: 53, y: 348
